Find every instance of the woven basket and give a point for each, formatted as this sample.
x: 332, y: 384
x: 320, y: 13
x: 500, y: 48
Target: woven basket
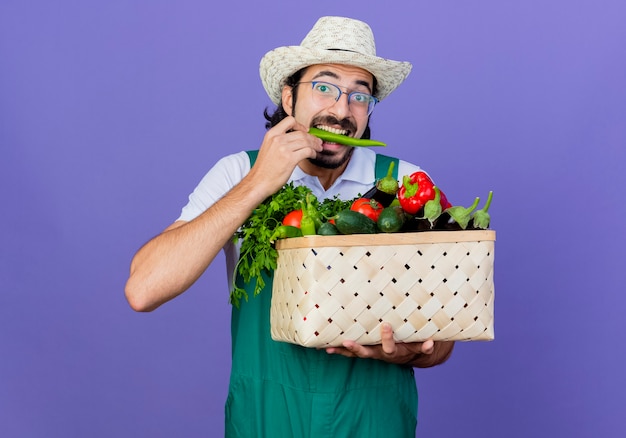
x: 428, y: 285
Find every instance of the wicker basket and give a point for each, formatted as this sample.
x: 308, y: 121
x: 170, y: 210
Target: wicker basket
x: 427, y: 285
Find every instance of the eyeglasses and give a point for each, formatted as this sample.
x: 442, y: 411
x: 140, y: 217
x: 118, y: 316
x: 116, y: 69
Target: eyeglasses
x: 327, y: 93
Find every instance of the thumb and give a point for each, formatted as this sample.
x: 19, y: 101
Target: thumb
x: 428, y: 347
x: 388, y: 343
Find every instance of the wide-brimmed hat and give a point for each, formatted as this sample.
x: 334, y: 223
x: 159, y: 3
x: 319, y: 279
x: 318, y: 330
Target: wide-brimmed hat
x: 333, y: 40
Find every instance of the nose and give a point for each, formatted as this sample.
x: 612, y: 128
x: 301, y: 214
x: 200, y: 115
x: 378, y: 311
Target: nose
x: 341, y: 107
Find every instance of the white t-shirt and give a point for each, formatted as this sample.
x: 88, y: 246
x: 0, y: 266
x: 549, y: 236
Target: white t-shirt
x: 358, y: 178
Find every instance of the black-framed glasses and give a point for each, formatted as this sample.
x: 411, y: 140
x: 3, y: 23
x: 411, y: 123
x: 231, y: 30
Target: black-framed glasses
x: 327, y: 93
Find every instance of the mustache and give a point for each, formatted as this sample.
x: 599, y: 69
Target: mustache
x: 333, y: 121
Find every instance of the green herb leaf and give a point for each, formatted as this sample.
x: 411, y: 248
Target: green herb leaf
x: 257, y: 252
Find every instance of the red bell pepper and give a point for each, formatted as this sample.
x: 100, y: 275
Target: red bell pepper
x: 416, y: 190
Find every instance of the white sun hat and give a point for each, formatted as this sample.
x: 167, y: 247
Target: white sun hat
x: 333, y: 40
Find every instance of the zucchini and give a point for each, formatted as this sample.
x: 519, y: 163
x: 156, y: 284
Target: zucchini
x: 353, y: 222
x: 327, y: 229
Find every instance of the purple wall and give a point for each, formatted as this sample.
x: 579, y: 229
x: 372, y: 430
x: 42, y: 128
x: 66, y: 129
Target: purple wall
x: 110, y: 112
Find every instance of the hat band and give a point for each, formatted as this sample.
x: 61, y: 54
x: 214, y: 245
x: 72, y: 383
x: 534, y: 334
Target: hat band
x: 344, y: 50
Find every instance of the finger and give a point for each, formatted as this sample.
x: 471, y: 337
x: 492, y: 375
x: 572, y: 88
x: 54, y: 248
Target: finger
x: 428, y: 347
x: 388, y: 343
x: 297, y: 126
x: 287, y: 124
x: 297, y: 134
x: 357, y: 349
x: 339, y: 350
x: 294, y: 145
x: 305, y: 140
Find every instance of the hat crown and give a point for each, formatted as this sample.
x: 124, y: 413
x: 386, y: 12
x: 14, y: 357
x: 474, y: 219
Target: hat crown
x: 339, y: 33
x: 332, y: 40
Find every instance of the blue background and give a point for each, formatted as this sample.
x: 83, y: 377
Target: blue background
x: 111, y: 112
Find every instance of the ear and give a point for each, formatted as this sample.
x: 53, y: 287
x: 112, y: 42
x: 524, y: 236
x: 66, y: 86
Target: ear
x: 287, y: 99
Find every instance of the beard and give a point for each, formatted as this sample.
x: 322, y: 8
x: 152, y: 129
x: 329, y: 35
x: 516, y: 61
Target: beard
x: 332, y: 160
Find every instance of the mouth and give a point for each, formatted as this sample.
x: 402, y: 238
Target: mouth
x: 333, y: 130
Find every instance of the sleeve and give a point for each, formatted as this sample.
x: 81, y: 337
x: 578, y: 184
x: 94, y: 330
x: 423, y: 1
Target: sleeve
x: 406, y: 168
x: 218, y: 181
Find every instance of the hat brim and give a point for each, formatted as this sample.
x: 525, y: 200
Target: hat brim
x: 277, y: 65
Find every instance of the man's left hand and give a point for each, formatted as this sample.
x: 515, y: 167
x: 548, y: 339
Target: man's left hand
x: 418, y: 354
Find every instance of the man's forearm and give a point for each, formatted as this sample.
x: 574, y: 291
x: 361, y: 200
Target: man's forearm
x: 171, y: 262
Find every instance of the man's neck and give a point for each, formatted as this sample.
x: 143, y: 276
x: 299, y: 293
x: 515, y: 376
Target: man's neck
x: 326, y: 177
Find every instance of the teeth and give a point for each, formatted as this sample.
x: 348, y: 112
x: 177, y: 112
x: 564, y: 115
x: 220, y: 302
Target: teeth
x: 333, y: 130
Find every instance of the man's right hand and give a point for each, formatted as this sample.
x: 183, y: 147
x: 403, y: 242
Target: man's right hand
x: 283, y: 147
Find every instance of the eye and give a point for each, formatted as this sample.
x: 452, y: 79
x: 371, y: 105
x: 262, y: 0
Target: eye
x: 323, y: 88
x: 361, y: 98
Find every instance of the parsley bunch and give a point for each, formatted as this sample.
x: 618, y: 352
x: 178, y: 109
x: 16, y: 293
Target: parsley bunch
x: 257, y: 253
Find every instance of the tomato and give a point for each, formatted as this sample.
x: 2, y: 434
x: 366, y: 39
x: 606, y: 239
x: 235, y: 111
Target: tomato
x: 293, y: 218
x: 369, y: 207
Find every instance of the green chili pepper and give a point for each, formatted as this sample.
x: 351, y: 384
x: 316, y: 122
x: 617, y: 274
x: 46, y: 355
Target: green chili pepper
x: 344, y: 139
x: 312, y: 209
x: 285, y: 231
x: 307, y: 223
x: 307, y: 226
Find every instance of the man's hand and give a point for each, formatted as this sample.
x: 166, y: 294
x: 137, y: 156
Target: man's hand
x: 283, y: 147
x: 417, y: 354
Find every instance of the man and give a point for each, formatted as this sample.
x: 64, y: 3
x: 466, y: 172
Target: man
x: 332, y: 81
